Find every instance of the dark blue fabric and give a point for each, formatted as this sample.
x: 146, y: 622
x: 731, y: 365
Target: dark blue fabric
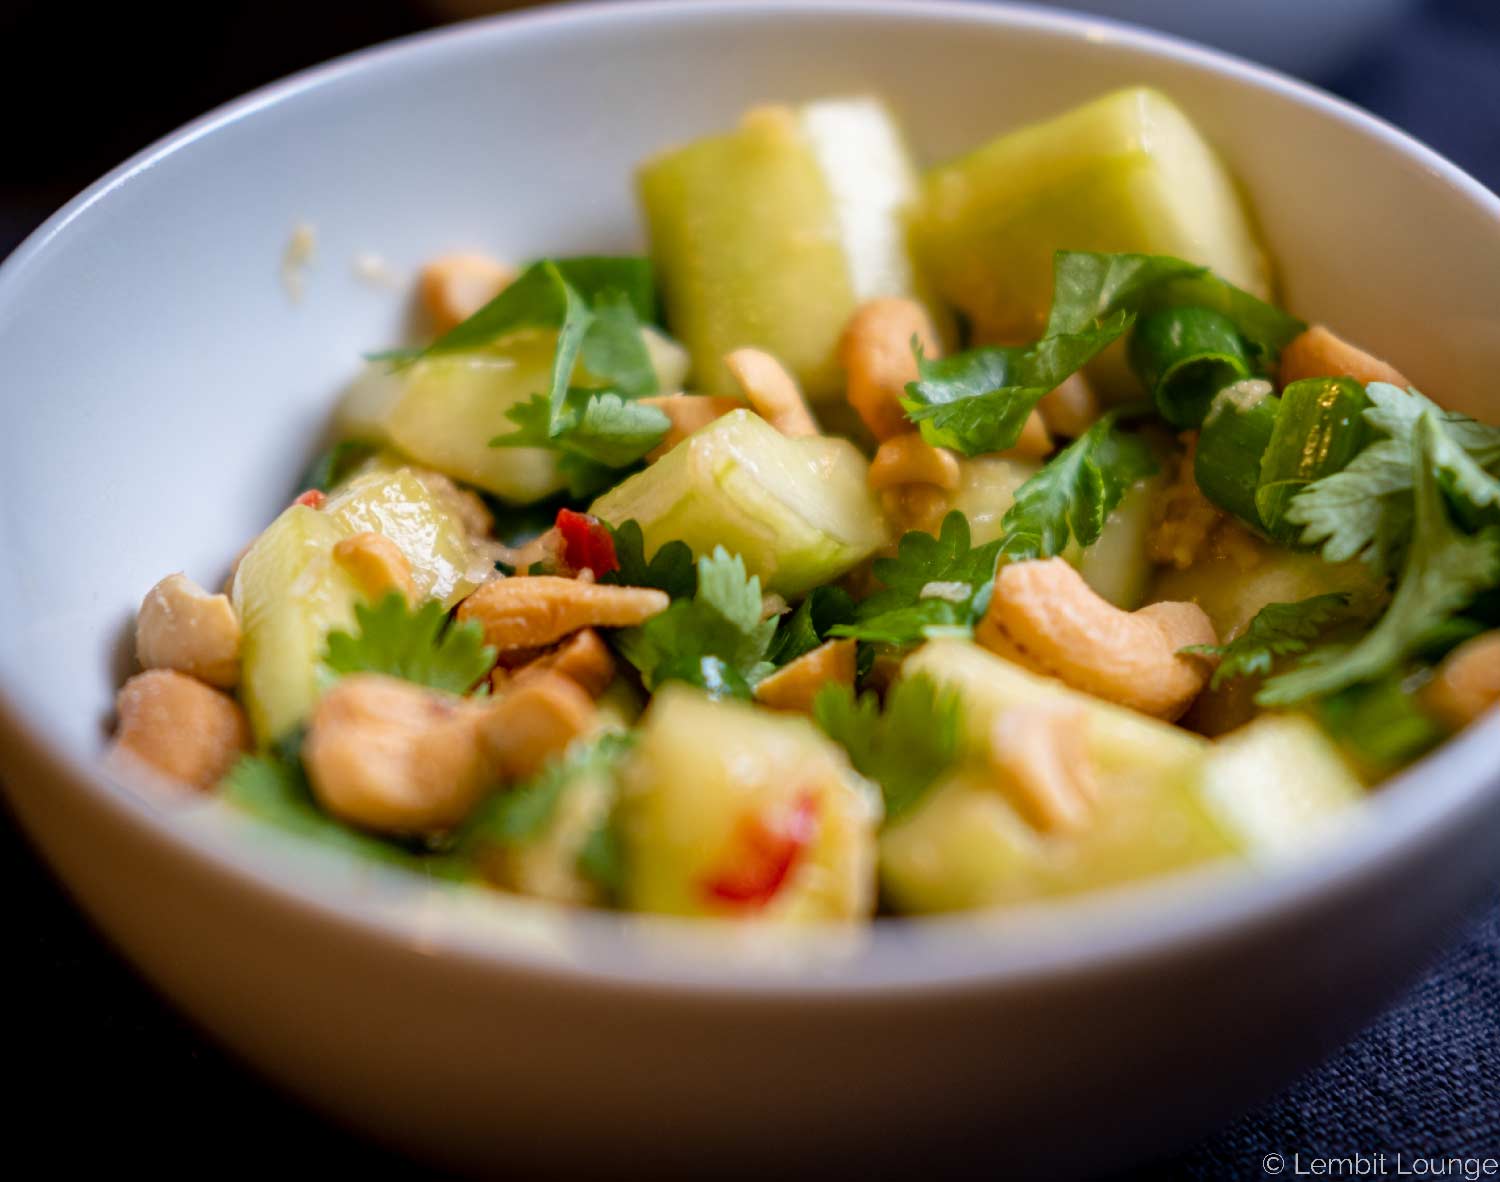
x: 108, y: 1073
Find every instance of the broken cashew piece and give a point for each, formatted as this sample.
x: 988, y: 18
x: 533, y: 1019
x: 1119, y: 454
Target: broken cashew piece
x: 583, y: 658
x: 1042, y: 615
x: 180, y: 728
x: 378, y: 566
x: 796, y: 684
x: 915, y: 506
x: 181, y: 626
x: 534, y: 721
x: 395, y: 757
x: 1039, y: 754
x: 455, y: 286
x: 771, y: 391
x: 534, y: 611
x: 1467, y: 682
x: 1034, y: 442
x: 1070, y: 409
x: 910, y: 459
x: 687, y: 414
x: 875, y: 351
x: 1319, y: 353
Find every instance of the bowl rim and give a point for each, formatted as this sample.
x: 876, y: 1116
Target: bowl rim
x: 1020, y: 944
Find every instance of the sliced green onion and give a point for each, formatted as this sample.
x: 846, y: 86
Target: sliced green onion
x: 1321, y: 428
x: 1235, y: 435
x: 1185, y: 356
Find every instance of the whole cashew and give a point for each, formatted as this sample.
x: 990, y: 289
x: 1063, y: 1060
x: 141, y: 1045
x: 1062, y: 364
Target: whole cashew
x: 1319, y: 353
x: 1071, y: 409
x: 771, y: 391
x: 1039, y: 754
x: 181, y: 626
x: 876, y: 354
x: 1034, y: 442
x: 395, y: 757
x: 1044, y: 616
x: 180, y: 727
x: 534, y: 611
x: 583, y: 658
x: 1467, y: 682
x: 796, y: 684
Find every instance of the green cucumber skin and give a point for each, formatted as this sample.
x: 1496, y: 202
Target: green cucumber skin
x: 1235, y: 436
x: 1185, y: 356
x: 1319, y: 429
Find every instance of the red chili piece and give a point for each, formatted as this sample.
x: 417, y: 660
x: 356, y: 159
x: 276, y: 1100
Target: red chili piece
x: 312, y: 498
x: 587, y: 544
x: 766, y: 850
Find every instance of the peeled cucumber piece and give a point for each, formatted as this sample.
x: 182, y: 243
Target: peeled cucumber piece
x: 289, y: 592
x: 987, y: 490
x: 1278, y: 785
x: 966, y: 845
x: 797, y: 510
x: 1126, y: 172
x: 729, y: 810
x: 442, y: 412
x: 770, y: 235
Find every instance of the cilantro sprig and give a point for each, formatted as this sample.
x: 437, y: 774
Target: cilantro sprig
x: 978, y: 401
x: 671, y: 568
x: 1278, y: 630
x: 1444, y: 570
x: 1075, y: 492
x: 418, y: 645
x: 904, y: 748
x: 523, y: 813
x: 803, y: 630
x: 715, y: 640
x: 931, y: 583
x: 596, y: 434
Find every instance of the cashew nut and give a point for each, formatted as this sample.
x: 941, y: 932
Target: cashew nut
x: 181, y: 626
x: 456, y: 286
x: 1044, y: 616
x: 1071, y: 409
x: 910, y: 459
x: 539, y: 610
x: 796, y: 684
x: 1319, y: 353
x: 687, y: 414
x: 1467, y: 682
x: 180, y: 727
x: 395, y: 757
x: 771, y: 391
x: 583, y: 658
x: 875, y: 351
x: 378, y: 566
x: 534, y: 721
x: 1039, y: 754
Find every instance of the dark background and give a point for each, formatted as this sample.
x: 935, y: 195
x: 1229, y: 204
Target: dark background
x: 105, y: 1074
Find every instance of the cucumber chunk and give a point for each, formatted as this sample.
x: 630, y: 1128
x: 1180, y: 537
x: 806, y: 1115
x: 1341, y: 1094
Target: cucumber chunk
x: 730, y: 810
x: 967, y: 846
x: 290, y: 593
x: 798, y: 511
x: 1126, y: 172
x: 771, y: 234
x: 443, y: 412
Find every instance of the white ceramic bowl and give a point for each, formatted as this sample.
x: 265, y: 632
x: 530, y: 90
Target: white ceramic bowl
x: 161, y: 392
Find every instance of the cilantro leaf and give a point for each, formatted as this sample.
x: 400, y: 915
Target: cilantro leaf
x: 807, y: 627
x: 903, y: 749
x: 932, y: 582
x: 522, y: 813
x: 1278, y: 630
x: 715, y: 640
x: 978, y: 401
x: 420, y: 646
x: 629, y: 275
x: 613, y: 348
x: 1381, y: 723
x: 1075, y: 492
x: 274, y: 790
x: 671, y: 568
x: 596, y: 433
x: 1444, y: 570
x: 1364, y: 511
x: 602, y: 858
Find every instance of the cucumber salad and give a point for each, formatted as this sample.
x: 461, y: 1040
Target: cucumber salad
x: 881, y: 542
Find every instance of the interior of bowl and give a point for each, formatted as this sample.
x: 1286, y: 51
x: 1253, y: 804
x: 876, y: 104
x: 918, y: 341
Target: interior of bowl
x: 164, y: 388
